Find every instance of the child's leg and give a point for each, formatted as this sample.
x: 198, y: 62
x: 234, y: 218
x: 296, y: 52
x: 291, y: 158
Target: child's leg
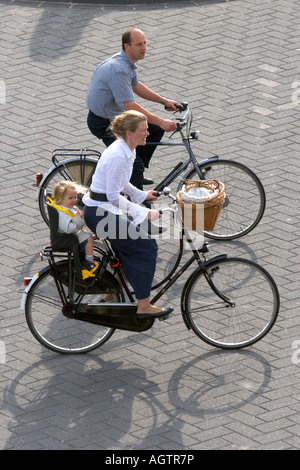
x: 89, y: 248
x: 89, y: 256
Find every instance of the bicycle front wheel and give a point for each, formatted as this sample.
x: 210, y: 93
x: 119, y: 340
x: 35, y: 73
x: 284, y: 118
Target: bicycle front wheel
x: 78, y: 170
x: 245, y: 200
x: 47, y: 323
x: 253, y: 312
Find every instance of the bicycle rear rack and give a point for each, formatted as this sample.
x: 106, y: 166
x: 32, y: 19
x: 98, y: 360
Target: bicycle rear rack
x: 68, y: 153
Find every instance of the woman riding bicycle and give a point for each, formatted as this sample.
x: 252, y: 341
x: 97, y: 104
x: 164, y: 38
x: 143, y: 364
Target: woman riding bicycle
x: 106, y: 210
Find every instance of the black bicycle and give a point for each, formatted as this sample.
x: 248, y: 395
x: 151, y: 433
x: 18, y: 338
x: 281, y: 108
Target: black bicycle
x: 245, y: 196
x: 228, y: 302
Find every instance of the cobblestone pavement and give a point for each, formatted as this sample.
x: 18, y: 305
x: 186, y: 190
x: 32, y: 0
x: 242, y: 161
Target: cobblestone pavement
x: 236, y: 64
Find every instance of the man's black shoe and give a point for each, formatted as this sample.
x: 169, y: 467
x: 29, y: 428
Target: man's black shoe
x: 147, y: 181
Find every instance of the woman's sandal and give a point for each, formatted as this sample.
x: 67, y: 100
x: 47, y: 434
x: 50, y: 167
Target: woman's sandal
x: 162, y: 313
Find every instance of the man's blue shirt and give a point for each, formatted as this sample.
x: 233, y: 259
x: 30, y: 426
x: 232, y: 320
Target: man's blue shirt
x: 111, y: 85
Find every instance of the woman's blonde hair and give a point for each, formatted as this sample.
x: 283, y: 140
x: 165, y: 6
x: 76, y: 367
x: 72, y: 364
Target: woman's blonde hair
x: 127, y: 121
x: 61, y: 188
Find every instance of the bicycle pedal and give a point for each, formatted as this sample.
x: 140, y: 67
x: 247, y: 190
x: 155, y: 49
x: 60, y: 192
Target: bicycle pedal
x: 86, y: 274
x: 164, y: 317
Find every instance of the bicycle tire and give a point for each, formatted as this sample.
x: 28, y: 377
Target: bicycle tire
x: 74, y: 169
x: 256, y: 303
x: 245, y: 197
x: 47, y: 323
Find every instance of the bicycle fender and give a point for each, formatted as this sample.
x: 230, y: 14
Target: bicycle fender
x: 187, y: 285
x: 215, y: 258
x: 58, y: 165
x: 41, y: 183
x: 29, y: 286
x: 27, y: 289
x: 45, y: 175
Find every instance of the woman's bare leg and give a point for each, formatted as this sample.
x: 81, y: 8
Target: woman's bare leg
x: 144, y: 306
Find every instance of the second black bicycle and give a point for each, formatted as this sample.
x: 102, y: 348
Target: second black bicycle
x: 245, y: 196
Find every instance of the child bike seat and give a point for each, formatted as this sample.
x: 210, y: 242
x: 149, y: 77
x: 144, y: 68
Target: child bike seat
x: 62, y: 242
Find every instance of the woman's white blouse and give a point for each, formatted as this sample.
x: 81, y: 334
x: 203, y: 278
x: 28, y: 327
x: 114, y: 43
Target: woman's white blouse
x: 111, y: 177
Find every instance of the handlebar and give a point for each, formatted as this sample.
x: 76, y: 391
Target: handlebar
x: 181, y: 107
x: 166, y: 192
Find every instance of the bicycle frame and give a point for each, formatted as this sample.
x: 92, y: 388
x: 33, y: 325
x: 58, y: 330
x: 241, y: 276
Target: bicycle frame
x: 117, y: 315
x: 171, y: 279
x: 80, y: 165
x: 116, y: 308
x: 182, y: 166
x: 123, y: 316
x: 83, y: 154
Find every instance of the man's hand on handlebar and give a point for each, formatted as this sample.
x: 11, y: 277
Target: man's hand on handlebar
x: 171, y: 105
x: 168, y: 126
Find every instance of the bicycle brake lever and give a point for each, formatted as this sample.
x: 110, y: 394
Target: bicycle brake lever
x: 174, y: 132
x: 180, y: 125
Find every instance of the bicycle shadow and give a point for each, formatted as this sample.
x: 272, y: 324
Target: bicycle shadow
x: 236, y: 248
x: 86, y: 402
x: 218, y: 372
x: 205, y: 393
x: 63, y: 33
x: 55, y: 411
x: 32, y: 266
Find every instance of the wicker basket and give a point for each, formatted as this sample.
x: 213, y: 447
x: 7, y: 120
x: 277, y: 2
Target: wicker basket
x: 191, y: 213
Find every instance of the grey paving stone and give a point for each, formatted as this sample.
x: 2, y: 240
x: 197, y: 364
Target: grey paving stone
x: 235, y: 63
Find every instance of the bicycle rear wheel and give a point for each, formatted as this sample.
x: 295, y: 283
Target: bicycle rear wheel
x: 54, y: 330
x: 79, y: 170
x: 249, y: 286
x: 245, y: 198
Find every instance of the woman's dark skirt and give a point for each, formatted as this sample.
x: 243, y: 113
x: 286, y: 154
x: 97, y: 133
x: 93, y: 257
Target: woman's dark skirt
x: 135, y: 248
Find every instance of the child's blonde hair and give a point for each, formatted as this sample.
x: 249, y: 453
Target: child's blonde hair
x: 61, y: 188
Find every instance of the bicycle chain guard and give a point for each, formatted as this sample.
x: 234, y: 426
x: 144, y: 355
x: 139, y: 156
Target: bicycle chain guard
x: 113, y: 315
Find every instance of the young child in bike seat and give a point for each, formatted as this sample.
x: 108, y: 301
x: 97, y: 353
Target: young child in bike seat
x: 71, y: 219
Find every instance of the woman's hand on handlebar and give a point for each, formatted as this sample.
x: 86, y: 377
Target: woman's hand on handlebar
x: 153, y: 215
x: 152, y: 195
